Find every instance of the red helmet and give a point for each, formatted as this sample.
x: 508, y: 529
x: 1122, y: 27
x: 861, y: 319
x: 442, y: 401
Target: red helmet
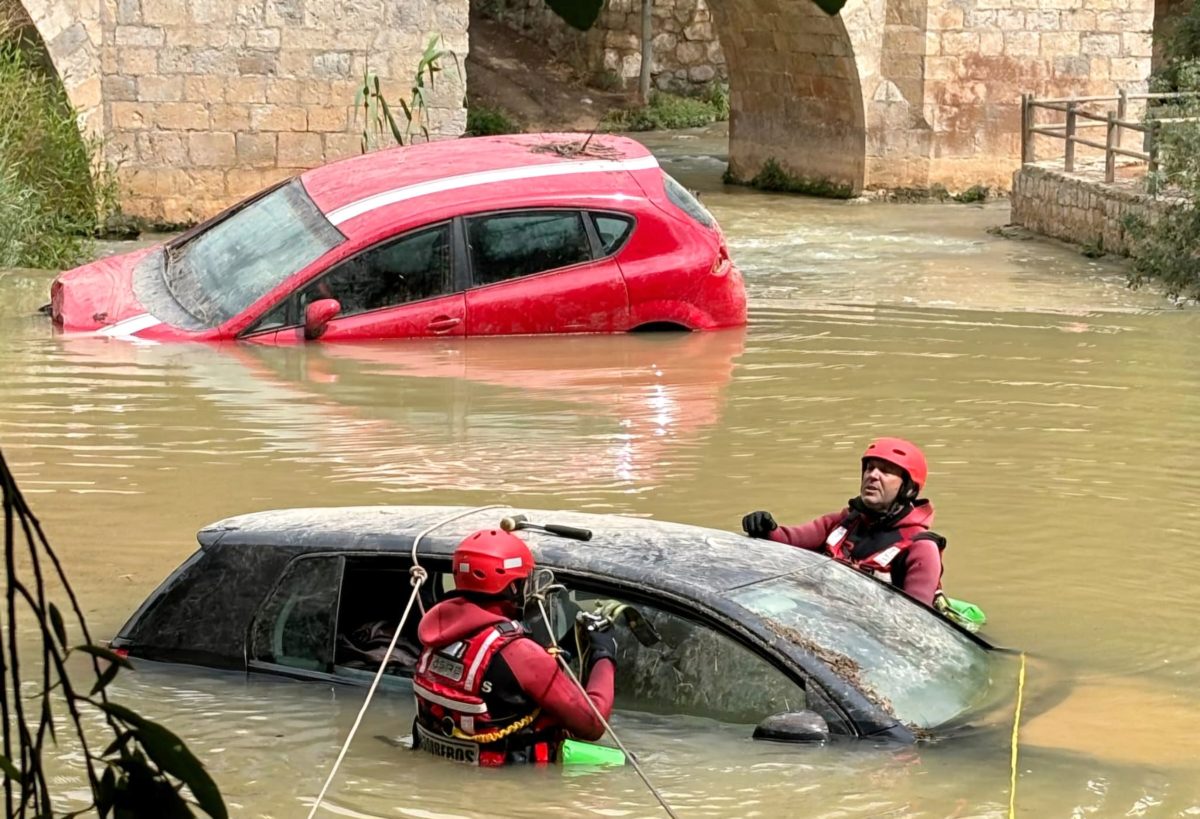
x: 489, y: 560
x: 902, y: 453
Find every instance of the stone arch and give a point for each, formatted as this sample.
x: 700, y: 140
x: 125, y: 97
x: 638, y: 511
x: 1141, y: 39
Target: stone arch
x: 792, y: 71
x: 72, y: 33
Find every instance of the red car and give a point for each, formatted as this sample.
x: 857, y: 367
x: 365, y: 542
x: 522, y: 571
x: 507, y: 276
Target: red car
x: 533, y: 233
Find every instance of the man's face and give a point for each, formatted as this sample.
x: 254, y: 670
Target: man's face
x: 881, y: 483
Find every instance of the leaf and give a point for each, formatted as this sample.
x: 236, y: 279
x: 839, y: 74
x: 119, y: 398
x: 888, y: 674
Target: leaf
x: 126, y: 715
x: 10, y: 770
x: 106, y: 791
x: 106, y: 676
x: 171, y: 754
x: 118, y: 744
x: 579, y: 14
x: 104, y: 654
x: 391, y: 121
x: 60, y: 630
x: 48, y: 719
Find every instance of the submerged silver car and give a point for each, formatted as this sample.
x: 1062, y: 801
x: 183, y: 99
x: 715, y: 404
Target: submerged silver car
x: 744, y: 631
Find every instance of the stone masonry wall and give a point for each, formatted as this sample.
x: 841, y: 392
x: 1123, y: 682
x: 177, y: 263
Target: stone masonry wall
x: 1076, y: 208
x: 73, y: 34
x: 794, y: 93
x: 204, y: 102
x: 983, y: 54
x: 686, y: 48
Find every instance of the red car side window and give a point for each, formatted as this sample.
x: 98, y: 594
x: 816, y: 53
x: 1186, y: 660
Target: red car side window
x: 509, y: 245
x: 613, y: 230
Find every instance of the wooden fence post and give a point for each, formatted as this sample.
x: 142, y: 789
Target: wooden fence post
x: 1152, y: 150
x: 1110, y: 141
x: 1122, y: 110
x: 1026, y: 122
x: 1069, y: 157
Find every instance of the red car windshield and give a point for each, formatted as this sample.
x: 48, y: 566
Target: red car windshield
x: 226, y: 267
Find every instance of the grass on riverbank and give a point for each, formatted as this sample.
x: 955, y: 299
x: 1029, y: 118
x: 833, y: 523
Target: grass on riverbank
x: 51, y: 199
x: 485, y: 121
x: 672, y: 111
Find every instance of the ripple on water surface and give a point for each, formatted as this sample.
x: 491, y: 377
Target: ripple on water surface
x: 1059, y: 411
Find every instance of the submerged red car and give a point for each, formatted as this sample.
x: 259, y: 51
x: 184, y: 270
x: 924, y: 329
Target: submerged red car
x: 523, y: 234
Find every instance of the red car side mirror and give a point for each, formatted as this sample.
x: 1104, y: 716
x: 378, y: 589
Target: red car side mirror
x: 317, y: 315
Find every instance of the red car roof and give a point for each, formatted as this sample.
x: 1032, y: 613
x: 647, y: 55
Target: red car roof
x: 348, y: 187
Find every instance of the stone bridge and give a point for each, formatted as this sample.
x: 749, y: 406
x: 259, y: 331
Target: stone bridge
x: 201, y: 102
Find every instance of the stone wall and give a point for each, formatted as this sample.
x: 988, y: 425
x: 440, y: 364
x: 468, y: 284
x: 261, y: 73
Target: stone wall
x: 983, y: 54
x: 1078, y: 208
x: 74, y: 36
x: 687, y: 51
x: 203, y: 102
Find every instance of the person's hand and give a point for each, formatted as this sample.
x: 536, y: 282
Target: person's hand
x: 759, y: 524
x: 600, y: 640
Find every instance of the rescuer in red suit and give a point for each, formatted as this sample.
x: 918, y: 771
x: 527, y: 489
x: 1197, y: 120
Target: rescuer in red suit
x: 884, y: 531
x: 486, y: 692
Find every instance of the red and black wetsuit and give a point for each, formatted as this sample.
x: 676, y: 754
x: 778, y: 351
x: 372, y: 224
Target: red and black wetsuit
x: 479, y: 674
x: 916, y: 567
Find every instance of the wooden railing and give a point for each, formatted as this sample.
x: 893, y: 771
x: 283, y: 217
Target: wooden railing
x: 1114, y: 124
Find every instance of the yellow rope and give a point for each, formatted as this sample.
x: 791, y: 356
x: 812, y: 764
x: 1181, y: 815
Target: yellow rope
x: 1012, y: 787
x: 499, y: 733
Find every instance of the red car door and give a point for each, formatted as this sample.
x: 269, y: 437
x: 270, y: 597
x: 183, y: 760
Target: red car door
x: 403, y: 288
x: 536, y: 272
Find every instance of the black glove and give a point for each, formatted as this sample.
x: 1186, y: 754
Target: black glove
x: 759, y: 524
x: 600, y: 639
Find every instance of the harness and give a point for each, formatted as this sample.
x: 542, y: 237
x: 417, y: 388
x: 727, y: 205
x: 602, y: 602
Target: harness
x: 457, y: 707
x: 876, y: 552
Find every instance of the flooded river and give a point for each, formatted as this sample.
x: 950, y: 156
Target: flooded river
x: 1059, y: 410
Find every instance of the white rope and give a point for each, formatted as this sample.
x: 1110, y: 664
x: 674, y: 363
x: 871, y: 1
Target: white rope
x: 417, y: 576
x: 540, y: 597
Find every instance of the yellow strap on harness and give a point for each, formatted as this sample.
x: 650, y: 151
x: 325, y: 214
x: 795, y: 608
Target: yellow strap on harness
x: 499, y: 733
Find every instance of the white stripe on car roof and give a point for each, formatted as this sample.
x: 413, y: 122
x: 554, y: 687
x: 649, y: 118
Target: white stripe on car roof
x: 470, y: 180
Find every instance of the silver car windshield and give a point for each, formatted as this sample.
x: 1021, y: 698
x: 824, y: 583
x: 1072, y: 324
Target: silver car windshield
x: 904, y: 657
x: 225, y: 268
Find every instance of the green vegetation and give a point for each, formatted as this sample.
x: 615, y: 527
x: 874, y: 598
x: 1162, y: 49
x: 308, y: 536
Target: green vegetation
x: 378, y: 120
x: 484, y: 121
x: 772, y: 176
x: 143, y: 771
x: 975, y: 193
x: 1092, y: 249
x: 672, y: 111
x: 1166, y: 246
x: 55, y: 192
x: 606, y: 80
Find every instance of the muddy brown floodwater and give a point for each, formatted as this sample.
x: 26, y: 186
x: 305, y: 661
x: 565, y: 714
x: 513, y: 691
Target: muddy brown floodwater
x: 1060, y: 412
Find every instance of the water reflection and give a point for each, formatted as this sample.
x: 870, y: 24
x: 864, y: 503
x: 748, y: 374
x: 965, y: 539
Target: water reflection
x: 455, y: 413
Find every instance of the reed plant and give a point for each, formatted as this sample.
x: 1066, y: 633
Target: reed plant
x: 54, y: 190
x: 379, y: 118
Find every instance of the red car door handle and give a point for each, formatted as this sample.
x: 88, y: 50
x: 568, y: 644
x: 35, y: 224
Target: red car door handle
x: 443, y: 324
